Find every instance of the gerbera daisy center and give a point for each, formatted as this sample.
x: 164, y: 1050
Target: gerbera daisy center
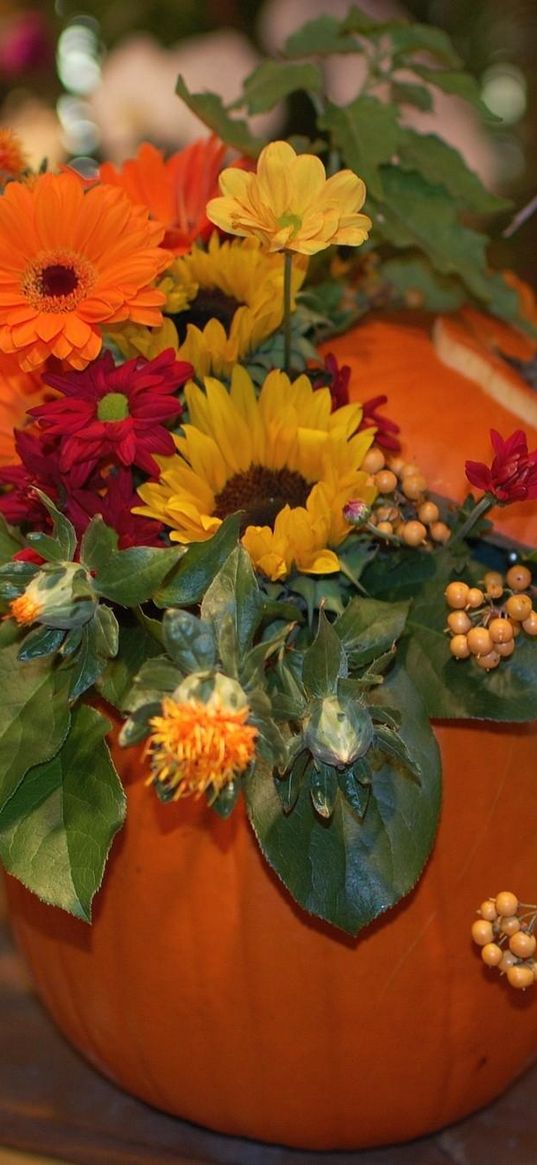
x: 261, y: 493
x: 57, y: 281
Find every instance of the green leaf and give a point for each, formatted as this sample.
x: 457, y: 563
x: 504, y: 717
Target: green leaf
x: 442, y: 165
x: 407, y: 93
x: 323, y: 788
x: 323, y: 661
x: 414, y: 213
x: 367, y: 133
x: 408, y: 39
x: 98, y: 545
x: 411, y: 274
x: 42, y: 641
x: 210, y: 110
x: 10, y: 541
x: 62, y: 545
x: 189, y: 641
x: 400, y: 574
x: 199, y: 566
x: 356, y: 794
x: 369, y: 627
x: 393, y: 744
x: 57, y: 829
x: 130, y: 577
x: 136, y: 645
x: 234, y: 591
x: 225, y: 801
x: 273, y: 80
x: 320, y: 38
x: 459, y: 689
x: 460, y: 84
x: 34, y: 712
x: 349, y: 869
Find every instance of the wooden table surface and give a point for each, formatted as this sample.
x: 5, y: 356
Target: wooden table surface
x: 53, y: 1105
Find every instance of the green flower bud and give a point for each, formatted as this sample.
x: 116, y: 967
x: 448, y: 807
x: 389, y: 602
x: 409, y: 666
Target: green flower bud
x: 61, y: 597
x: 338, y: 732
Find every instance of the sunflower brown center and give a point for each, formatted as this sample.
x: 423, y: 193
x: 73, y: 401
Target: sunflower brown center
x: 210, y: 303
x: 261, y: 493
x: 56, y: 281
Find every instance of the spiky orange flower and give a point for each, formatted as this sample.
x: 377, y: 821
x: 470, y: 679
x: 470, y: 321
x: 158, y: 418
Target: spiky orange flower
x: 175, y: 191
x: 195, y: 746
x: 13, y: 162
x: 25, y: 610
x: 69, y: 261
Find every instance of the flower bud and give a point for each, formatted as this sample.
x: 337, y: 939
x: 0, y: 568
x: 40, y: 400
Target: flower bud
x: 356, y: 512
x: 212, y: 689
x: 61, y: 597
x: 338, y: 732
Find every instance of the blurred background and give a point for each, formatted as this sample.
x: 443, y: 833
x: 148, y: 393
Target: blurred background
x: 90, y: 79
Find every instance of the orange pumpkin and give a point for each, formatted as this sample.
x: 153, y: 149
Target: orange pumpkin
x: 203, y: 989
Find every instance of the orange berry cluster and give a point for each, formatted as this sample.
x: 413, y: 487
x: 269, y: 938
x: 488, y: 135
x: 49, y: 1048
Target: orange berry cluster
x: 402, y: 510
x: 504, y: 932
x: 484, y: 623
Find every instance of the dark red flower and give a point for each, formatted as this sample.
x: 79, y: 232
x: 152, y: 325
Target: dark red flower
x: 512, y: 476
x: 38, y: 467
x: 114, y: 413
x: 113, y: 497
x: 28, y: 555
x: 335, y: 378
x: 386, y: 434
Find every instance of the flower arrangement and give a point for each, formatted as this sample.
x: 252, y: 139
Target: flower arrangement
x: 207, y: 540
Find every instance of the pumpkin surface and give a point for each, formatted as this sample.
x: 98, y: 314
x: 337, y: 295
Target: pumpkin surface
x: 203, y: 989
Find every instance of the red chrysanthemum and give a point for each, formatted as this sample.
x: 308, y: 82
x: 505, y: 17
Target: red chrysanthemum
x: 337, y: 378
x: 175, y: 191
x: 386, y: 434
x: 113, y: 497
x: 334, y: 377
x: 114, y: 413
x: 512, y: 476
x: 38, y: 467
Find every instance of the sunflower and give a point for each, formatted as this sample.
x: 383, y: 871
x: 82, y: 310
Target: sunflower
x: 69, y: 261
x: 285, y: 460
x: 220, y: 305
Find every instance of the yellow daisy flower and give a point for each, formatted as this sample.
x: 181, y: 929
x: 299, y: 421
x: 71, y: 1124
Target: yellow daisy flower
x: 284, y: 459
x: 290, y: 205
x: 223, y: 303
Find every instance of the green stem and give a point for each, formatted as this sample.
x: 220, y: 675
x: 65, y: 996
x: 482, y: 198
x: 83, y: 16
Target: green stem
x: 287, y: 284
x: 482, y: 507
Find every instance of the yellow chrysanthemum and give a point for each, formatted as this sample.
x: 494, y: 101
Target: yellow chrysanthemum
x: 284, y: 459
x: 223, y: 302
x: 198, y: 745
x: 290, y: 205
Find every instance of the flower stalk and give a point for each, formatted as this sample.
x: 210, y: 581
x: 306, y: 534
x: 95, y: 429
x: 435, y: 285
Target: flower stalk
x: 287, y: 294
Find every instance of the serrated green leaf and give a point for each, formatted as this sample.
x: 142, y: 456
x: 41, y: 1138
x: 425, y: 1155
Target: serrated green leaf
x: 106, y: 632
x: 272, y: 81
x: 319, y: 38
x: 130, y: 577
x: 394, y: 746
x: 347, y: 870
x: 57, y: 829
x: 369, y: 627
x: 63, y: 533
x: 198, y: 567
x: 189, y: 641
x: 442, y: 165
x: 40, y: 642
x: 407, y: 39
x: 323, y: 788
x: 458, y: 83
x: 366, y: 132
x: 84, y: 667
x: 210, y: 110
x: 99, y: 544
x: 408, y: 93
x: 323, y: 661
x: 34, y: 712
x: 234, y: 591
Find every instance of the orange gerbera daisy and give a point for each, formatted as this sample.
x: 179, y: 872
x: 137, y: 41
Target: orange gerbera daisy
x: 71, y: 260
x: 176, y: 191
x: 18, y: 392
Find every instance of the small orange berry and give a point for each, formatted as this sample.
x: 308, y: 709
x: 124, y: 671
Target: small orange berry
x: 373, y: 460
x: 458, y: 647
x: 506, y: 903
x: 522, y: 944
x: 505, y: 649
x: 475, y: 598
x: 519, y: 578
x: 385, y: 528
x: 488, y: 910
x: 509, y: 960
x: 459, y: 622
x: 439, y: 532
x: 479, y: 641
x: 482, y: 932
x: 510, y: 925
x: 428, y: 512
x: 414, y: 533
x: 500, y: 630
x: 385, y: 481
x: 414, y: 486
x: 519, y: 607
x: 489, y: 661
x: 520, y: 976
x: 492, y: 954
x: 530, y: 624
x: 493, y: 582
x: 455, y: 594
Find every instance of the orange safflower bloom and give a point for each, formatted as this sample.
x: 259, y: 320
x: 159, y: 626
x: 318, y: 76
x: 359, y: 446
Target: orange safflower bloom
x: 70, y: 261
x: 176, y: 191
x: 13, y: 161
x: 195, y: 745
